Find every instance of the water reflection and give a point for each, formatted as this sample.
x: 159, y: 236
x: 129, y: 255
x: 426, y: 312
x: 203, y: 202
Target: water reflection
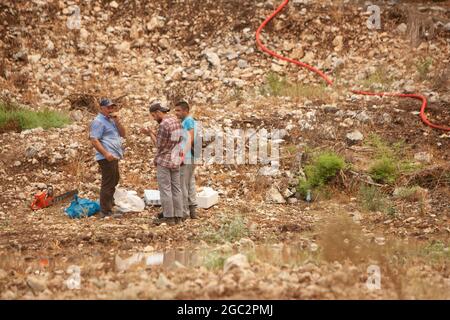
x: 176, y: 258
x: 278, y: 254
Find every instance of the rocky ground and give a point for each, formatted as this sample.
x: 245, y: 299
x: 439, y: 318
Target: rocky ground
x: 262, y: 240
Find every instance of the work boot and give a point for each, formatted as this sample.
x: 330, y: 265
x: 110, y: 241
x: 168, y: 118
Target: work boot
x: 168, y: 221
x: 116, y: 214
x: 103, y: 215
x: 180, y: 219
x: 192, y: 212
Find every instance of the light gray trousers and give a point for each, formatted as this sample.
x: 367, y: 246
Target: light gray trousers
x: 187, y: 176
x: 170, y: 191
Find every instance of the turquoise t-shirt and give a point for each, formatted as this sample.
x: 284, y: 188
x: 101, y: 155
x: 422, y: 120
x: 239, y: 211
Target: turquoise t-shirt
x: 188, y: 124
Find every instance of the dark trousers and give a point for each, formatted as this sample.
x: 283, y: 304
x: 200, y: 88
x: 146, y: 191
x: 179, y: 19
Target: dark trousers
x: 110, y: 179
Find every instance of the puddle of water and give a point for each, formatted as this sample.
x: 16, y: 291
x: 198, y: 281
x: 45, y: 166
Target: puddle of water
x: 155, y: 259
x: 282, y: 254
x: 192, y: 258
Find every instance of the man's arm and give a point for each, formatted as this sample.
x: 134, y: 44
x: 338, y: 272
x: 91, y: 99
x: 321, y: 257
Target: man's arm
x: 189, y: 142
x: 119, y: 126
x: 153, y: 137
x: 99, y: 147
x: 95, y: 133
x: 150, y: 133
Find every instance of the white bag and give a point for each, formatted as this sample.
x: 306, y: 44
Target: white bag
x: 128, y: 201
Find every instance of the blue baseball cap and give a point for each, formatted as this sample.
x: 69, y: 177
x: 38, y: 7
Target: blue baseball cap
x: 104, y: 102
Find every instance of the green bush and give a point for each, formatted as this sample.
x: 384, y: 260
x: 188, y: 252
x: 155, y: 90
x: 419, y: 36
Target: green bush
x: 407, y: 192
x: 214, y: 260
x: 436, y: 251
x: 13, y: 117
x: 371, y: 198
x: 230, y: 230
x: 324, y: 167
x: 389, y: 161
x: 423, y: 68
x: 378, y: 79
x: 278, y: 86
x: 274, y: 85
x: 384, y: 170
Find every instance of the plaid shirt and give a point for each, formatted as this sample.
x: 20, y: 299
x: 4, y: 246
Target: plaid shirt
x: 168, y: 142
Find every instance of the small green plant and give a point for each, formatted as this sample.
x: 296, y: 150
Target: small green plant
x: 437, y: 251
x: 279, y: 86
x: 14, y: 117
x: 389, y: 160
x: 391, y: 211
x: 230, y: 230
x: 324, y: 167
x: 273, y: 86
x: 384, y: 170
x: 237, y: 94
x: 214, y: 261
x: 372, y: 199
x: 414, y: 193
x: 423, y: 68
x: 382, y: 149
x: 378, y: 79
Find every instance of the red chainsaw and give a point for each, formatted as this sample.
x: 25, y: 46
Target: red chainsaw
x: 46, y: 198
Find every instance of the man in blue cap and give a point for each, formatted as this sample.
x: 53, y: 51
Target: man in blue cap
x: 105, y: 133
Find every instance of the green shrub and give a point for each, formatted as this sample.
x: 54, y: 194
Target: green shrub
x: 408, y: 193
x: 423, y: 68
x: 279, y: 86
x: 324, y: 167
x: 274, y: 85
x: 436, y: 251
x: 384, y: 170
x: 378, y: 79
x: 388, y: 163
x: 214, y: 261
x: 13, y: 117
x: 230, y: 230
x: 371, y: 198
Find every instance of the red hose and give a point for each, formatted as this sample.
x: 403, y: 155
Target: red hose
x: 330, y: 82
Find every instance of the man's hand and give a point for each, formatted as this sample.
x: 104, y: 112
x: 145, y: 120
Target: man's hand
x: 148, y: 131
x: 114, y: 116
x: 110, y: 157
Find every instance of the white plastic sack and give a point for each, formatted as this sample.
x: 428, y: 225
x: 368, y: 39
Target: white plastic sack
x: 128, y: 201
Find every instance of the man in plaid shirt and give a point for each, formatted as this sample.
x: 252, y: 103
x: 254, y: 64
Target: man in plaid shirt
x: 167, y: 161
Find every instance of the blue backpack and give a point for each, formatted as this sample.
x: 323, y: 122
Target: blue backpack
x: 80, y: 208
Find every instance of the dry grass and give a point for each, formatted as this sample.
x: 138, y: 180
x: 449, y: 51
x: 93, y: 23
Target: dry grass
x: 259, y: 186
x: 441, y: 80
x: 78, y: 169
x: 277, y: 86
x: 430, y: 177
x: 379, y: 79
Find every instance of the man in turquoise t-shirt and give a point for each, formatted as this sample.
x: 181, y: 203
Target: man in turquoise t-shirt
x: 187, y: 169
